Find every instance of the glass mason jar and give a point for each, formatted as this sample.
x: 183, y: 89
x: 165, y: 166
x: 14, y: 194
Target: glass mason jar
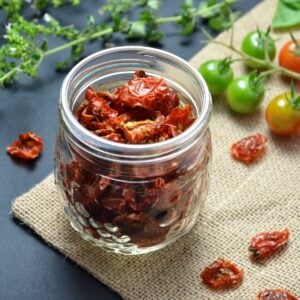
x: 126, y: 198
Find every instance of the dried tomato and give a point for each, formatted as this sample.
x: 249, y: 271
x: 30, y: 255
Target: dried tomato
x: 130, y: 222
x: 148, y: 93
x: 170, y: 102
x: 28, y: 146
x: 116, y: 137
x: 160, y: 182
x: 95, y: 110
x: 114, y: 204
x: 221, y: 275
x: 278, y: 294
x: 182, y: 118
x: 249, y: 149
x: 92, y: 232
x: 151, y: 234
x: 265, y: 244
x: 144, y: 110
x: 144, y: 131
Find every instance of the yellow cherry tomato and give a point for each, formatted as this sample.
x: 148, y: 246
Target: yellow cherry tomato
x: 283, y: 114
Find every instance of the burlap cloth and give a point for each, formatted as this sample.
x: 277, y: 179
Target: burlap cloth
x: 242, y: 201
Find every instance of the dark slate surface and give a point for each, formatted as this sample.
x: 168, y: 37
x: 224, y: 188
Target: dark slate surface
x: 29, y: 269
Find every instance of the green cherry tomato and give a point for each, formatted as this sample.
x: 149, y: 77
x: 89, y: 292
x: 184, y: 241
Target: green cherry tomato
x: 218, y: 74
x: 283, y: 114
x: 254, y: 44
x: 245, y: 93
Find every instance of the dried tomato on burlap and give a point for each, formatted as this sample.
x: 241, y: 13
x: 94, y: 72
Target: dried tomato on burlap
x: 221, y: 275
x: 28, y: 146
x: 249, y: 149
x: 277, y: 294
x: 265, y: 244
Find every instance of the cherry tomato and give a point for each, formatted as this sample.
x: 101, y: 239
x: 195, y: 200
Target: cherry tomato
x: 283, y: 114
x: 289, y: 56
x: 218, y: 74
x: 244, y: 94
x: 254, y: 45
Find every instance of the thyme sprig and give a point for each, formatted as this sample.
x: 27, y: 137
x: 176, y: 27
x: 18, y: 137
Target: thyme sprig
x: 13, y: 7
x: 26, y: 43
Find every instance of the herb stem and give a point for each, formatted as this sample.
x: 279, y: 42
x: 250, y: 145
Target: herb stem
x: 168, y: 19
x: 199, y: 12
x: 77, y: 41
x: 9, y: 75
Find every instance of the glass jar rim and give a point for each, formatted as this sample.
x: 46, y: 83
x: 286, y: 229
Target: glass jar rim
x: 200, y: 124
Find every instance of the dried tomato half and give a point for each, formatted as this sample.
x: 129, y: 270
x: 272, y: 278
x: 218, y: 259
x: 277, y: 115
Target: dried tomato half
x: 148, y: 92
x: 265, y: 244
x: 222, y: 274
x: 96, y: 109
x: 182, y: 118
x: 278, y: 294
x: 249, y: 149
x: 28, y: 146
x: 141, y: 132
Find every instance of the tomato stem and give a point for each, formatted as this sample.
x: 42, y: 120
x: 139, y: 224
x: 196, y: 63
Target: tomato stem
x: 295, y: 41
x: 269, y: 72
x: 271, y: 67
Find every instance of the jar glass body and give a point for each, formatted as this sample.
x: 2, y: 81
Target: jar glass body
x: 132, y: 199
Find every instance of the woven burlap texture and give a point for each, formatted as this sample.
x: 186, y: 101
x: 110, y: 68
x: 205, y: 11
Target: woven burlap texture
x: 242, y: 201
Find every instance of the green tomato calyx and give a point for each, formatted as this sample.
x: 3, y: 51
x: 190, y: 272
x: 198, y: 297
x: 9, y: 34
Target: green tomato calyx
x: 256, y: 81
x: 224, y: 65
x: 293, y: 98
x: 264, y: 36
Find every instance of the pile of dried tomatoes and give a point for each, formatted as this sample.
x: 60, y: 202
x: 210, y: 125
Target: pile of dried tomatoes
x: 144, y: 110
x: 141, y: 111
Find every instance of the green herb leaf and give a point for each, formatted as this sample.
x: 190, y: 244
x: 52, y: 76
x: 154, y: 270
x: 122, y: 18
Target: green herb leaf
x: 205, y: 6
x: 153, y: 4
x: 137, y: 30
x: 62, y: 66
x: 224, y: 19
x: 12, y: 7
x: 287, y: 14
x: 188, y: 18
x: 41, y: 5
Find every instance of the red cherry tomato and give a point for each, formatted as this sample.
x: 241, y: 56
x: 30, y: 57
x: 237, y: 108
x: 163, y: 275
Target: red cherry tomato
x: 289, y: 56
